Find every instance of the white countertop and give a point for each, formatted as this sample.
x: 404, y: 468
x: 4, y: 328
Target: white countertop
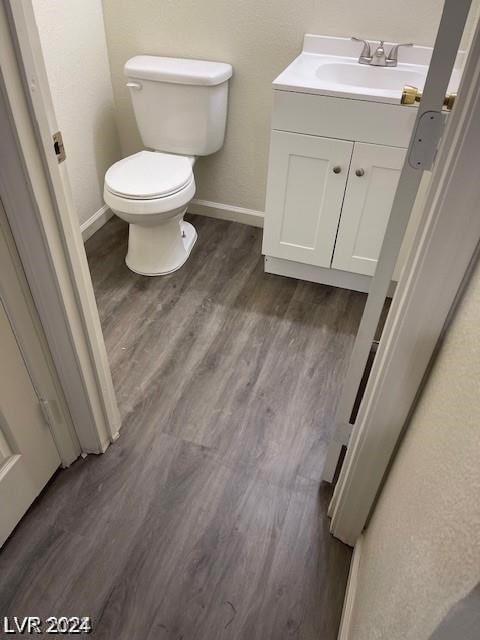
x: 329, y: 66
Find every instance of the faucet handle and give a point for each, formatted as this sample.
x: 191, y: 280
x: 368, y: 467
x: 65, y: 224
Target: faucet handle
x: 392, y: 57
x: 366, y: 51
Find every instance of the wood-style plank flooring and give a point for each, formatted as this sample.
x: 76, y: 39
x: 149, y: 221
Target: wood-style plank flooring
x: 206, y: 519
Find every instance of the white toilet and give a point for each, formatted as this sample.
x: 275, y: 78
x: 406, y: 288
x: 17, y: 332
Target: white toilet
x: 180, y: 107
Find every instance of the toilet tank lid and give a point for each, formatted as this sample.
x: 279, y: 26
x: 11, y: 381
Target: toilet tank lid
x: 178, y: 70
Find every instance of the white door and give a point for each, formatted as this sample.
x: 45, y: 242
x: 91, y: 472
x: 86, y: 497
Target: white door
x: 373, y: 178
x: 448, y: 40
x: 95, y: 407
x: 306, y: 185
x: 28, y: 456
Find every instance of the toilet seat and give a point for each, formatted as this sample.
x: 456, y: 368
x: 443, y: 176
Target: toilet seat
x: 149, y: 184
x: 149, y: 175
x: 147, y: 210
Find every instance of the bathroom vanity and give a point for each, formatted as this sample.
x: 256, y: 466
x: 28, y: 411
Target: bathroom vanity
x: 338, y: 142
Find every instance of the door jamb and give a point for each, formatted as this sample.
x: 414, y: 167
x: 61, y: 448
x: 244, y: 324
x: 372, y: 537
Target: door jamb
x: 453, y: 20
x: 444, y: 251
x: 48, y: 237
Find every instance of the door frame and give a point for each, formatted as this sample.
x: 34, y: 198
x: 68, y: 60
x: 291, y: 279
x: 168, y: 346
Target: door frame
x: 39, y: 207
x: 445, y: 250
x: 450, y: 31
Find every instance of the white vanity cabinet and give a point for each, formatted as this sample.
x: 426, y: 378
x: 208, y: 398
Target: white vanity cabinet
x: 333, y: 171
x: 328, y: 200
x: 338, y: 144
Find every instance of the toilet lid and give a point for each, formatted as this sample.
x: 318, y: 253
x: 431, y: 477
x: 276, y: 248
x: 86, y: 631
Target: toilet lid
x: 148, y: 174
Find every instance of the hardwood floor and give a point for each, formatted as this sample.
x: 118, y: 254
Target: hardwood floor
x: 206, y: 519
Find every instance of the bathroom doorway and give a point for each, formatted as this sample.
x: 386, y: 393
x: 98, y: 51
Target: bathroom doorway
x: 421, y: 155
x: 210, y: 496
x: 23, y: 18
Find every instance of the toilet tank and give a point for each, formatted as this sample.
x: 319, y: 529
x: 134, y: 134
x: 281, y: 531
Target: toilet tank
x: 180, y: 105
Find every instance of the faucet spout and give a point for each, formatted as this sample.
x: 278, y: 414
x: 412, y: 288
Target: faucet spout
x: 379, y: 56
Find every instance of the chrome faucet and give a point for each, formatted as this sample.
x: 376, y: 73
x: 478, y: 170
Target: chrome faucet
x: 379, y: 58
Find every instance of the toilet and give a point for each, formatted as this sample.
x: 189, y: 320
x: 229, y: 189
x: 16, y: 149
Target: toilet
x: 180, y: 107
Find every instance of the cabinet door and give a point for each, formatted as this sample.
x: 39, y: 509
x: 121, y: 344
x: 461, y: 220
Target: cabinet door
x: 372, y: 181
x: 306, y: 184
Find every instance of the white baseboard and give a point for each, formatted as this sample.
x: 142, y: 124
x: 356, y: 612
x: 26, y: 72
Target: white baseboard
x: 226, y: 212
x: 345, y: 631
x: 97, y: 220
x: 197, y: 207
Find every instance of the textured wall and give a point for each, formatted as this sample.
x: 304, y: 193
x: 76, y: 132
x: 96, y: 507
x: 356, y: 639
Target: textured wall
x: 421, y: 550
x: 259, y: 38
x: 72, y: 35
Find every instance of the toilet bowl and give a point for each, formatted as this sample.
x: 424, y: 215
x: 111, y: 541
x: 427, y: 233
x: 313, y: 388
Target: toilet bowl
x: 180, y: 107
x: 151, y: 191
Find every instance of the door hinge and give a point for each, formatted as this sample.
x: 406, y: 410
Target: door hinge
x: 429, y: 130
x: 59, y: 146
x: 47, y: 412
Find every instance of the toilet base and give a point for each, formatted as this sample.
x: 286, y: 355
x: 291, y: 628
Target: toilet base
x: 159, y: 250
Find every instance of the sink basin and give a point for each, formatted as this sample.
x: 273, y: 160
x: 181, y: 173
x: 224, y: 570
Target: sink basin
x: 369, y: 77
x: 329, y: 66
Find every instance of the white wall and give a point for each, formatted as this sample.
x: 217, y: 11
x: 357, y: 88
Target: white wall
x: 72, y: 34
x: 259, y: 38
x: 421, y: 550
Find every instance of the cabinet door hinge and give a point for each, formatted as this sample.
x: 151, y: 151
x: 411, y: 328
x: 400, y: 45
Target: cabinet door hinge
x: 58, y: 146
